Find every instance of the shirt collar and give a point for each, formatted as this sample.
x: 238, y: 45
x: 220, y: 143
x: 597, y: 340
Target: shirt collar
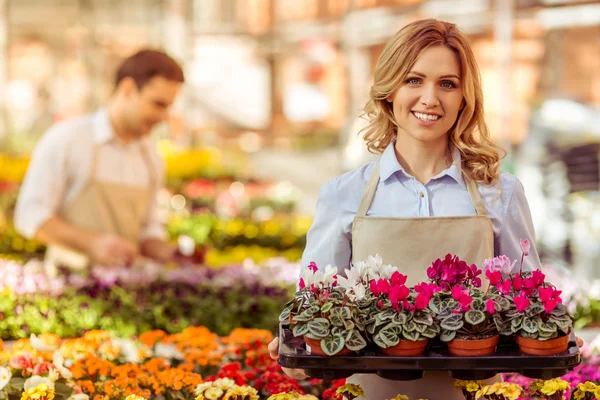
x: 389, y: 165
x: 103, y: 130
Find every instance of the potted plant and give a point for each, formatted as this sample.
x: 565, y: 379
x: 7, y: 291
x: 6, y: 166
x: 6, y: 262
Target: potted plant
x: 536, y: 314
x: 331, y: 318
x: 400, y: 322
x: 466, y: 314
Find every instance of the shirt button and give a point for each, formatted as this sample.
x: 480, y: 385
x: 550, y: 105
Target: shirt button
x: 422, y: 194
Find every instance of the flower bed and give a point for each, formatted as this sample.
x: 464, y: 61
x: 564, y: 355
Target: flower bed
x: 198, y: 364
x: 132, y: 301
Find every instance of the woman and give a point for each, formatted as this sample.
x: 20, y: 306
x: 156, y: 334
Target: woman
x: 437, y: 187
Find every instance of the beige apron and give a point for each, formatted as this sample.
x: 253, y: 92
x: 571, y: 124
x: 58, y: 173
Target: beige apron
x: 104, y: 208
x: 412, y: 244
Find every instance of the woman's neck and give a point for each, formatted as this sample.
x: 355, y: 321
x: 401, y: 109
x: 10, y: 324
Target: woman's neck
x: 423, y: 160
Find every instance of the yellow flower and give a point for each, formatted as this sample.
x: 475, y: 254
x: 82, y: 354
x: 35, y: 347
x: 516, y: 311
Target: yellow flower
x: 213, y: 393
x: 578, y: 394
x: 482, y: 392
x: 308, y: 397
x: 588, y: 386
x: 224, y: 383
x: 200, y: 397
x: 512, y: 391
x: 350, y: 389
x: 40, y: 392
x: 241, y: 393
x: 400, y: 397
x: 284, y: 396
x: 552, y: 386
x: 134, y: 397
x: 472, y: 387
x: 460, y: 384
x: 597, y: 392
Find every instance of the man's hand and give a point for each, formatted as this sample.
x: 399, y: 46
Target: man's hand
x: 274, y: 353
x: 109, y: 249
x: 158, y: 250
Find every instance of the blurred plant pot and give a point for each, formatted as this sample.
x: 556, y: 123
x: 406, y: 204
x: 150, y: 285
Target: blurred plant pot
x: 543, y: 347
x: 406, y: 348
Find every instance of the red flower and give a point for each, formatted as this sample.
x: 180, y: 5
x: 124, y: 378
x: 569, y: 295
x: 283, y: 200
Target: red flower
x: 422, y: 301
x: 538, y: 278
x: 374, y: 287
x: 504, y: 287
x: 550, y: 305
x: 521, y: 302
x: 489, y: 306
x: 383, y: 286
x: 517, y: 282
x: 302, y: 285
x: 398, y: 279
x: 493, y: 277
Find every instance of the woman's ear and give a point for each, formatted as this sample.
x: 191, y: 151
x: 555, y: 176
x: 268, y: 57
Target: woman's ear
x: 390, y: 98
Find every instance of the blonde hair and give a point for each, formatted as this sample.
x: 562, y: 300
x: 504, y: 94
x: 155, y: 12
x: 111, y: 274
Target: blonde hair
x: 470, y: 134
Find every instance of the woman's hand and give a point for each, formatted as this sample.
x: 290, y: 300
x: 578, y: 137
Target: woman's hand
x: 274, y: 353
x: 579, y: 341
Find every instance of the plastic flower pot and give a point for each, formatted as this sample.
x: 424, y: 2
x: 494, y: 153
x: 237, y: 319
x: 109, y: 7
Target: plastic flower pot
x: 543, y: 347
x: 313, y: 346
x: 406, y: 348
x: 473, y: 348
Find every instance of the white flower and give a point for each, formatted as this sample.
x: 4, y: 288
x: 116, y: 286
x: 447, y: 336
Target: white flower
x: 53, y: 374
x: 359, y: 291
x: 5, y: 376
x: 351, y: 279
x: 328, y: 275
x: 58, y: 362
x: 224, y: 383
x: 37, y: 380
x: 37, y: 344
x: 202, y: 387
x: 386, y: 271
x: 80, y: 396
x: 167, y: 351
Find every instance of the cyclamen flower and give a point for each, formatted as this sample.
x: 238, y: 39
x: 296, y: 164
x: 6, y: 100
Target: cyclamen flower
x: 500, y: 264
x: 521, y: 302
x: 525, y: 247
x: 489, y: 306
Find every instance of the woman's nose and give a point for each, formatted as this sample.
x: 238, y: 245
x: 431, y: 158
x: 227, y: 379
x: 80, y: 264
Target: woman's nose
x: 429, y: 97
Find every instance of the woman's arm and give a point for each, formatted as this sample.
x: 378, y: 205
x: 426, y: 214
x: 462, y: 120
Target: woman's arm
x: 517, y: 225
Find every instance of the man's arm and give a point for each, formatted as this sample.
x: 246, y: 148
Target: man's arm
x: 57, y: 231
x: 158, y: 249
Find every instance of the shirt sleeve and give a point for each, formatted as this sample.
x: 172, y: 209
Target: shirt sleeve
x: 518, y: 225
x: 43, y: 187
x: 154, y: 227
x: 326, y: 241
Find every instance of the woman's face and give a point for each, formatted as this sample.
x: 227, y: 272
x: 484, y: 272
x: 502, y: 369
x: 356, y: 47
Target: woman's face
x: 427, y: 103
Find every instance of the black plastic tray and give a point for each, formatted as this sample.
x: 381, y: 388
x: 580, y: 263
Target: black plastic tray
x: 508, y: 358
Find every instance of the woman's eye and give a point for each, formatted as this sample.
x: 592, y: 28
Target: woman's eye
x: 413, y: 81
x: 448, y: 84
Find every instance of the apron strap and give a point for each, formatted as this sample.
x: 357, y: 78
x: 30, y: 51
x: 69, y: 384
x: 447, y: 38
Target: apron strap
x: 475, y: 195
x: 151, y: 172
x: 369, y: 193
x: 94, y: 162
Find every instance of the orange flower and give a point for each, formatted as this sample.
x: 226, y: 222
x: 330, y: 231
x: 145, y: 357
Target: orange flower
x: 150, y: 338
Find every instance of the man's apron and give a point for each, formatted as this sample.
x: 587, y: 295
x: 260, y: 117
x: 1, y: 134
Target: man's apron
x: 104, y: 208
x: 412, y: 244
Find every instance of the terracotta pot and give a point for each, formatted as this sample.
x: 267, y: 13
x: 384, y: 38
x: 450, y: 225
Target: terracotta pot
x: 406, y: 348
x: 315, y: 348
x: 473, y: 348
x: 543, y: 347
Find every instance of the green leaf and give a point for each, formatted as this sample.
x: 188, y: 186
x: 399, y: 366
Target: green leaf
x: 346, y: 313
x: 501, y: 304
x: 338, y: 330
x: 332, y: 344
x: 388, y: 314
x: 435, y: 304
x: 420, y: 328
x: 285, y: 314
x: 477, y: 304
x: 444, y: 312
x: 400, y: 319
x: 547, y: 327
x: 412, y: 336
x: 301, y: 318
x: 534, y: 310
x: 348, y: 324
x: 562, y: 323
x: 429, y: 333
x: 517, y: 322
x: 390, y: 334
x: 336, y: 319
x: 530, y: 325
x: 371, y: 329
x: 423, y: 318
x: 452, y: 323
x: 319, y: 327
x: 447, y: 336
x: 378, y: 339
x: 528, y: 335
x: 355, y: 341
x: 410, y: 326
x: 313, y: 309
x: 300, y: 329
x: 326, y: 307
x: 559, y: 311
x: 62, y: 390
x: 474, y: 317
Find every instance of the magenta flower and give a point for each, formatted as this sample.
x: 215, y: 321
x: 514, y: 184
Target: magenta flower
x: 383, y: 286
x: 546, y: 293
x: 489, y: 306
x: 525, y: 247
x: 374, y: 288
x: 313, y: 267
x: 521, y: 302
x: 504, y: 287
x: 550, y: 305
x: 493, y: 277
x: 398, y: 279
x: 302, y: 285
x: 422, y: 301
x: 538, y: 278
x: 517, y: 282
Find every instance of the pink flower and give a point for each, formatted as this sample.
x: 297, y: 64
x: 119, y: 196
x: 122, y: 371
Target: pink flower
x: 422, y: 301
x: 398, y: 279
x: 538, y: 278
x: 546, y: 293
x: 504, y: 287
x: 23, y: 361
x: 301, y: 285
x: 489, y: 306
x: 374, y: 288
x: 42, y: 368
x: 465, y: 302
x: 427, y: 288
x: 380, y: 303
x: 517, y: 282
x: 398, y: 293
x: 550, y: 305
x: 458, y: 293
x: 493, y: 277
x: 525, y: 247
x: 500, y: 264
x: 521, y: 302
x: 383, y: 286
x: 313, y: 267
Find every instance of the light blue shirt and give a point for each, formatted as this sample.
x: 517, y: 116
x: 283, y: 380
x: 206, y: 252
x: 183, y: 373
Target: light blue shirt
x: 398, y: 194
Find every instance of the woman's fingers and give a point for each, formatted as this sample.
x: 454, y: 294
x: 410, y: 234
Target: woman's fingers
x: 274, y: 348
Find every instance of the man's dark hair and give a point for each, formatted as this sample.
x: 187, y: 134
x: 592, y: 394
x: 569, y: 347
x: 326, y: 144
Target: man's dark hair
x: 146, y: 64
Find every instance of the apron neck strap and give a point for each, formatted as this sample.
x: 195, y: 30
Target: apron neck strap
x: 369, y: 193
